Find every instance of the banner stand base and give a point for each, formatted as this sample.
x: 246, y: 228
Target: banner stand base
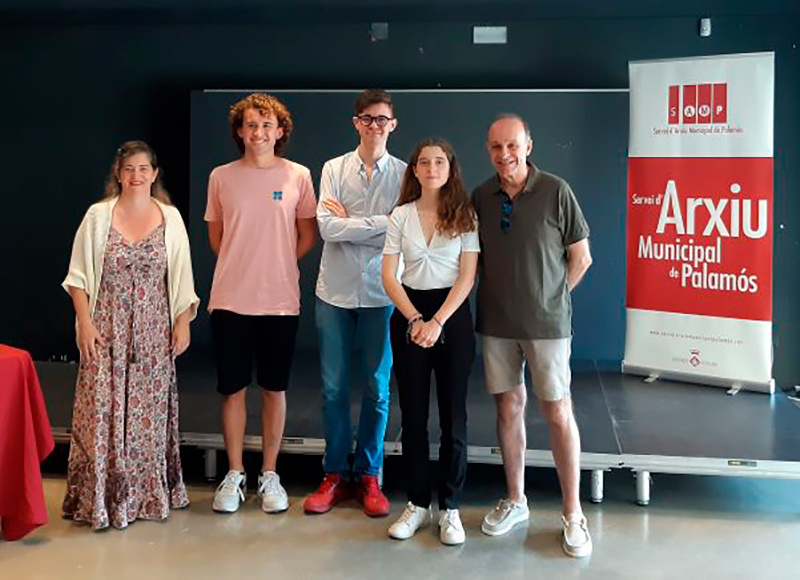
x: 768, y: 387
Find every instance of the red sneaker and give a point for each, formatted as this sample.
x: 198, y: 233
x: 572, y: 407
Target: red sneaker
x: 376, y: 505
x: 331, y: 491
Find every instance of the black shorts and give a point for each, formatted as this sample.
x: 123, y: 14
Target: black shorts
x: 239, y: 339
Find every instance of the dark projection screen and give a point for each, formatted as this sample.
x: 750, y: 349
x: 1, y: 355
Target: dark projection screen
x: 580, y: 135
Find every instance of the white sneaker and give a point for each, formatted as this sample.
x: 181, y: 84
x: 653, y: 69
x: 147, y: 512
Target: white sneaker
x: 273, y: 496
x: 413, y: 518
x: 505, y: 515
x: 451, y: 532
x: 576, y: 542
x: 230, y: 493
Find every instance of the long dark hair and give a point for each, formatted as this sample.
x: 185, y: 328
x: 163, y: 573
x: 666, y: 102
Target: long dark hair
x: 113, y: 187
x: 455, y: 212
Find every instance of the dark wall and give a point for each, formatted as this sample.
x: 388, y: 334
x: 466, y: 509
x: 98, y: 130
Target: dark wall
x: 72, y: 91
x: 581, y: 136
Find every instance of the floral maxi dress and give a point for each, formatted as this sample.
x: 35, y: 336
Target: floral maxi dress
x: 124, y: 459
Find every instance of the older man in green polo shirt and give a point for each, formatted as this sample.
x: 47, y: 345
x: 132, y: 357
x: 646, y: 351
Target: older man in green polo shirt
x: 535, y: 250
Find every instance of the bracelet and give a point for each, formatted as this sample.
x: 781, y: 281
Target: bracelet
x: 437, y: 321
x: 417, y: 317
x: 411, y: 322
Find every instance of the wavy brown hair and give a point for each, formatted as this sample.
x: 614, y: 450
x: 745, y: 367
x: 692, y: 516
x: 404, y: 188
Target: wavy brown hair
x: 127, y: 149
x: 456, y: 215
x: 266, y: 105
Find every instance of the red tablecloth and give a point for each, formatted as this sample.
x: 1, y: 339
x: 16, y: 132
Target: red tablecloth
x: 25, y: 440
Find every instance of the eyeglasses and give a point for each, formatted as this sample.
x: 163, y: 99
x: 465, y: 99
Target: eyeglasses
x: 380, y: 120
x: 506, y: 209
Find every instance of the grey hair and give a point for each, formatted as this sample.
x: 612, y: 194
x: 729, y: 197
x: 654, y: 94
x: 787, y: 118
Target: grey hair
x: 515, y: 117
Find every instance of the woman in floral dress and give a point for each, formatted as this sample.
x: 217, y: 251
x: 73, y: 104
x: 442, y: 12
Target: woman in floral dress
x: 130, y: 280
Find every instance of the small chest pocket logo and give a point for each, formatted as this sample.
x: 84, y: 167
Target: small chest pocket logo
x: 277, y: 196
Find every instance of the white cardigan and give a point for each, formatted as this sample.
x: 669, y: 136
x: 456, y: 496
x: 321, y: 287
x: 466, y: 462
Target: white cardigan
x: 89, y: 248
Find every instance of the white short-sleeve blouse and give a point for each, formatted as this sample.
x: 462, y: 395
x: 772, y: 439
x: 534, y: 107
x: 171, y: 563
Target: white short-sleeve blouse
x: 426, y: 266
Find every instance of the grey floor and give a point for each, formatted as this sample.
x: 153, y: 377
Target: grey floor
x: 696, y: 527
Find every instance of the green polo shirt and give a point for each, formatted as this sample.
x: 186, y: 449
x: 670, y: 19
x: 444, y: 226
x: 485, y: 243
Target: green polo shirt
x: 522, y: 292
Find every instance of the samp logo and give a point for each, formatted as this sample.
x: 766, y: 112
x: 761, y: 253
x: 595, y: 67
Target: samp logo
x: 698, y: 104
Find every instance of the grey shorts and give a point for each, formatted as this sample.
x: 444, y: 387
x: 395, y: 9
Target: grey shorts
x: 504, y: 364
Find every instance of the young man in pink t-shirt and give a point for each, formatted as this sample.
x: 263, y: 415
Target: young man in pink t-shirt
x: 261, y: 220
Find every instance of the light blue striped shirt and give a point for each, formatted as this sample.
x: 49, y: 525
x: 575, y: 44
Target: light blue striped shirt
x: 350, y: 270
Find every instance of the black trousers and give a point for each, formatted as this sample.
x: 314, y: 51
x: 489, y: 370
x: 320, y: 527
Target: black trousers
x: 451, y: 362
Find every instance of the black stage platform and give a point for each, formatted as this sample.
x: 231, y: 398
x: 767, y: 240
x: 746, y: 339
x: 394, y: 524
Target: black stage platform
x: 625, y: 423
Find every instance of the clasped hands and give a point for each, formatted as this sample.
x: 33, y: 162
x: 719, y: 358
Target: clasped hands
x: 424, y: 333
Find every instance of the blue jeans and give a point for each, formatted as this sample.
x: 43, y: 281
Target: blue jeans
x: 340, y: 331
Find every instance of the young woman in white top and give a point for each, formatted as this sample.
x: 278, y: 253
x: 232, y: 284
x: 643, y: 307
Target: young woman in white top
x: 130, y: 279
x: 434, y: 229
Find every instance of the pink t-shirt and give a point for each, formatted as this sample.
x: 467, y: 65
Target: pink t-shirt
x: 256, y: 270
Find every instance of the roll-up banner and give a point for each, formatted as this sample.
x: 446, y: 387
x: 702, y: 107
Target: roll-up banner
x: 699, y: 222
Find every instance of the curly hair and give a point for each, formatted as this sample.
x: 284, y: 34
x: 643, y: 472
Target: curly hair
x: 456, y: 215
x: 126, y: 150
x: 266, y: 105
